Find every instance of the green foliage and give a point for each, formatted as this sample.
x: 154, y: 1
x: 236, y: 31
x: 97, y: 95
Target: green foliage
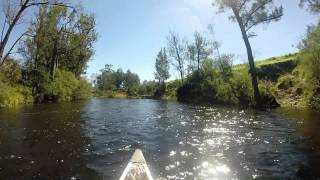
x: 309, y: 67
x: 107, y: 80
x: 13, y: 96
x: 162, y: 66
x: 83, y: 91
x: 12, y: 92
x: 224, y: 65
x: 225, y: 93
x: 10, y: 72
x: 251, y: 13
x: 162, y: 72
x: 217, y: 83
x: 55, y: 55
x: 62, y: 38
x: 285, y: 82
x: 131, y: 83
x: 66, y: 87
x: 199, y: 87
x: 171, y: 89
x: 267, y: 91
x: 313, y: 5
x: 148, y: 88
x: 110, y: 80
x: 197, y: 51
x: 242, y: 87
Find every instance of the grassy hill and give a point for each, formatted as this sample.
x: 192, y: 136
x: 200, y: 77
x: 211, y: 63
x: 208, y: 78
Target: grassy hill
x: 272, y: 68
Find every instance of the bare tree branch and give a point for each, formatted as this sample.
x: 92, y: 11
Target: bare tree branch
x: 11, y: 48
x: 2, y: 31
x: 49, y: 4
x: 14, y: 15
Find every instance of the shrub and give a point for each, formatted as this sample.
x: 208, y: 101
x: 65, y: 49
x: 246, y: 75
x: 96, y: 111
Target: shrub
x: 312, y: 93
x: 160, y: 91
x: 172, y: 87
x: 309, y: 67
x: 267, y: 94
x: 83, y: 91
x: 13, y: 96
x: 242, y: 88
x: 225, y: 93
x: 66, y: 87
x: 285, y: 82
x: 199, y: 87
x: 10, y: 72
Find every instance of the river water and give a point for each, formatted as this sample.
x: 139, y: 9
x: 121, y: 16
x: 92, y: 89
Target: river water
x: 95, y: 139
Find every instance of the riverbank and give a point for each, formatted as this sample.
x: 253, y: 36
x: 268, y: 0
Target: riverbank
x: 279, y: 82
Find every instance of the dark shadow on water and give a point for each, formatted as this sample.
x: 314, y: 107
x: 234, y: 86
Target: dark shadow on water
x: 44, y: 142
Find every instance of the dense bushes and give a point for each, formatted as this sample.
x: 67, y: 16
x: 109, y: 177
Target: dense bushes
x: 198, y: 87
x: 12, y: 96
x: 309, y: 66
x: 66, y: 87
x: 12, y: 93
x: 210, y: 84
x: 242, y: 88
x: 172, y: 88
x: 267, y: 94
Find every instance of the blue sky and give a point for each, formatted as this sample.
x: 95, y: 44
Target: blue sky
x: 132, y: 32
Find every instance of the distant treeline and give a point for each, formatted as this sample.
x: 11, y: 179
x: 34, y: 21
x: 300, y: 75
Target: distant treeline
x: 117, y: 83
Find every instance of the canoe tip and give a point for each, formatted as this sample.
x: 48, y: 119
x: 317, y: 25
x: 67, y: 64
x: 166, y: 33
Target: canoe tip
x: 138, y: 157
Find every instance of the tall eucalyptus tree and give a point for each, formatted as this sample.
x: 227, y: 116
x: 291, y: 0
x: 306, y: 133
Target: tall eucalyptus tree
x: 248, y: 14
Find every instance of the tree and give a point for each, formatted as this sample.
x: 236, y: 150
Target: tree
x: 106, y: 80
x: 176, y: 52
x: 148, y: 88
x: 162, y: 67
x: 119, y: 76
x: 248, y: 14
x: 202, y: 49
x: 191, y: 56
x: 313, y: 5
x: 131, y: 83
x: 224, y: 65
x: 60, y: 39
x: 14, y: 11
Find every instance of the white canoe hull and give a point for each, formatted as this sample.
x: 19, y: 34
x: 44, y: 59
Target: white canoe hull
x: 137, y: 168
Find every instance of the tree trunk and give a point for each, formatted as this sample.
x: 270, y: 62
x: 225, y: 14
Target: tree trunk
x: 253, y: 71
x: 180, y: 64
x: 198, y: 59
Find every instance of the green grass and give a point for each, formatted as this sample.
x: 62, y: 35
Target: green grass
x: 272, y: 60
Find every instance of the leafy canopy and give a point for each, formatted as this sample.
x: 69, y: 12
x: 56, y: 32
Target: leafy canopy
x: 162, y: 66
x: 251, y: 12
